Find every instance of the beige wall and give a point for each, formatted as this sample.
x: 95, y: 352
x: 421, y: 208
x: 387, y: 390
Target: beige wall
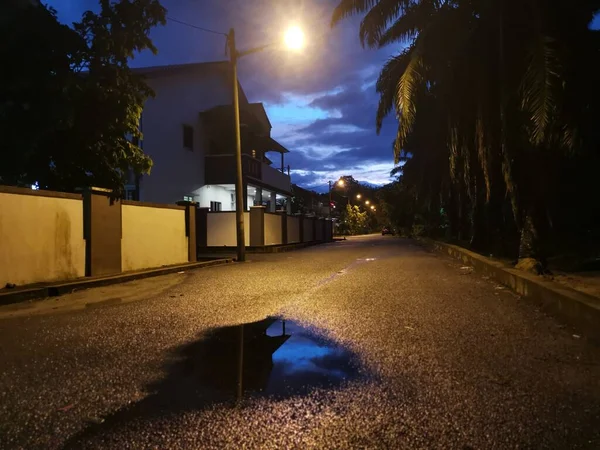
x: 293, y: 229
x: 221, y: 229
x: 319, y: 235
x: 308, y: 229
x: 41, y: 239
x: 153, y: 237
x: 273, y: 229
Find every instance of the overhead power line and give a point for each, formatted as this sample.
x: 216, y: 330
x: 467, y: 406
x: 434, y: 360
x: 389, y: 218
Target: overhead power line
x: 196, y: 27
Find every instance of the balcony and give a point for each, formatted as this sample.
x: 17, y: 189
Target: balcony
x: 220, y: 169
x: 275, y: 178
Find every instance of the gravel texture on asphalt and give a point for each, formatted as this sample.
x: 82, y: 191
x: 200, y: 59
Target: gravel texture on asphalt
x: 453, y: 361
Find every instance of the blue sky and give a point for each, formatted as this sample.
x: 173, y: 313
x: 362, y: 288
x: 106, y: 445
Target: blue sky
x: 321, y: 102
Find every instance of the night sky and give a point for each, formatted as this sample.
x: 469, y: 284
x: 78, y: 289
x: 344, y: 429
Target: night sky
x: 321, y: 102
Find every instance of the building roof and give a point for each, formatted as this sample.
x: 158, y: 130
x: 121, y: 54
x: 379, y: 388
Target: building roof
x: 259, y: 110
x: 221, y: 67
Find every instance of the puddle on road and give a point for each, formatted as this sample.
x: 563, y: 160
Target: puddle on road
x: 273, y: 357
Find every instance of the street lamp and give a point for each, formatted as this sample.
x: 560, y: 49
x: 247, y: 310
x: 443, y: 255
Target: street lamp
x: 367, y: 202
x: 373, y: 207
x: 358, y: 196
x: 339, y: 182
x: 294, y: 39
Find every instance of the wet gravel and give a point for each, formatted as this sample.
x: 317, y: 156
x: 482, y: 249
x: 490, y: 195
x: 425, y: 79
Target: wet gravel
x: 450, y: 362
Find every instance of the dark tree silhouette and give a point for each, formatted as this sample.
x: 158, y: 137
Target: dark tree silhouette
x: 492, y: 100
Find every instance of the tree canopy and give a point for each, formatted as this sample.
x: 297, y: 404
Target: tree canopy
x: 69, y: 102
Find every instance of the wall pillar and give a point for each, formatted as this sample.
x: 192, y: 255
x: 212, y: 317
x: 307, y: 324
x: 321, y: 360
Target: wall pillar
x: 257, y: 226
x: 301, y: 227
x: 284, y: 228
x: 102, y: 231
x: 288, y: 205
x: 314, y: 225
x: 201, y: 227
x: 190, y: 228
x: 258, y: 197
x: 273, y: 203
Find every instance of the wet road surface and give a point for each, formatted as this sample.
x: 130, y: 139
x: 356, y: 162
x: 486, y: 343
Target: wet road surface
x: 367, y: 343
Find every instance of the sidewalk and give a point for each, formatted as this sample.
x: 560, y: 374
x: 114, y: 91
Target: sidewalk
x: 42, y: 290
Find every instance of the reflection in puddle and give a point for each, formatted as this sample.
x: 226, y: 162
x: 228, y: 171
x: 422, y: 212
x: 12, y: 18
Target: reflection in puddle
x: 272, y: 357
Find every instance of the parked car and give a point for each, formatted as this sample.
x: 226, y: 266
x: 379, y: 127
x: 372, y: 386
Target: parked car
x: 386, y: 230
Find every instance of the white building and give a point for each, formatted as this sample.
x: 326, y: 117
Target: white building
x: 188, y: 131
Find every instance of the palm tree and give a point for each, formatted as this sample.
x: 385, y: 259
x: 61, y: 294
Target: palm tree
x: 496, y: 75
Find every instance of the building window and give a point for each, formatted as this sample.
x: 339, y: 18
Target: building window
x: 188, y: 137
x: 215, y: 206
x: 254, y: 153
x: 187, y: 198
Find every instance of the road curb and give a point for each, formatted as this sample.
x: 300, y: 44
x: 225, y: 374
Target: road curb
x: 55, y: 289
x: 279, y: 248
x: 573, y: 307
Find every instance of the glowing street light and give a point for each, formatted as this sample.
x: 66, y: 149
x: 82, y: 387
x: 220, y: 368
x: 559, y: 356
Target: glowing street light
x: 367, y: 202
x: 358, y: 196
x: 373, y: 207
x: 340, y: 183
x: 294, y: 39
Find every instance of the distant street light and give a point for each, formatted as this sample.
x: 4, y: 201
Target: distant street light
x: 373, y: 207
x: 294, y: 39
x: 339, y: 182
x: 367, y: 202
x: 358, y: 196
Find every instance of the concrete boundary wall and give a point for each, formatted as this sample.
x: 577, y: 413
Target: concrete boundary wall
x: 221, y: 230
x: 152, y: 236
x: 320, y: 230
x: 273, y: 229
x: 48, y: 236
x: 309, y: 229
x: 41, y: 236
x: 293, y: 229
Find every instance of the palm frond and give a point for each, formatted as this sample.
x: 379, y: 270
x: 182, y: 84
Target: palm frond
x: 378, y: 19
x: 483, y: 154
x: 387, y: 83
x: 405, y: 99
x: 453, y: 152
x: 347, y: 8
x: 538, y: 88
x: 415, y: 17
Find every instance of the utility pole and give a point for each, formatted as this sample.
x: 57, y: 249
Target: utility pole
x: 239, y: 182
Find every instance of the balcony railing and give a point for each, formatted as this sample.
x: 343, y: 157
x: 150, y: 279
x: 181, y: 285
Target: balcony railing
x: 275, y: 178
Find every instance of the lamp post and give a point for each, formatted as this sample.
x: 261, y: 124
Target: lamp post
x: 294, y: 39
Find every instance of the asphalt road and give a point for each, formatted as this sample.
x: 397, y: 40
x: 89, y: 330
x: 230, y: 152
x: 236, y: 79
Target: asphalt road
x: 406, y: 348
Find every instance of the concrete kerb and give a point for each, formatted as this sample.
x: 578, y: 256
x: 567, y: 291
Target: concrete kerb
x: 576, y: 308
x: 52, y: 290
x: 279, y: 248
